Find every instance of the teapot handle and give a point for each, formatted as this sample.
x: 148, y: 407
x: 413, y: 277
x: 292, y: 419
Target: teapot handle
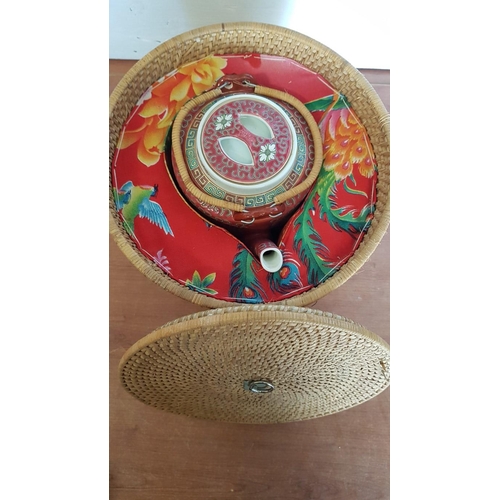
x: 237, y: 84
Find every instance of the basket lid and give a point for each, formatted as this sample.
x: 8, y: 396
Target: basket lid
x: 257, y: 364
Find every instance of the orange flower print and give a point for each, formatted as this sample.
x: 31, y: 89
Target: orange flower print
x: 336, y: 160
x: 163, y: 100
x: 346, y: 146
x: 366, y: 167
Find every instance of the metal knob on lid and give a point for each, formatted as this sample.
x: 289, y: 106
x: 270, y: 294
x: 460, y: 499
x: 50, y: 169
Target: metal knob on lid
x: 262, y: 386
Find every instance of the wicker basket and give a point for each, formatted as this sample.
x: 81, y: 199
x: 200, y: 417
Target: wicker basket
x: 235, y: 38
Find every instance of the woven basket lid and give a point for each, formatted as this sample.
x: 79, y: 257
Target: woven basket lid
x: 257, y: 364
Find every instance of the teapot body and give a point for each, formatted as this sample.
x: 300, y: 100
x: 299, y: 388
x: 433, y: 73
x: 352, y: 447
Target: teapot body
x: 245, y: 149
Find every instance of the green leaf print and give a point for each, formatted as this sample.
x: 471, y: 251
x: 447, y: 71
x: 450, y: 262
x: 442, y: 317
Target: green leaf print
x: 330, y: 102
x: 201, y: 285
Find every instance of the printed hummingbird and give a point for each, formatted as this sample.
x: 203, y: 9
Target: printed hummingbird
x: 135, y: 201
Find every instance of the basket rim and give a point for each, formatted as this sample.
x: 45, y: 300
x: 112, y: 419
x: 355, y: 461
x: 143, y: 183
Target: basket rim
x: 371, y: 239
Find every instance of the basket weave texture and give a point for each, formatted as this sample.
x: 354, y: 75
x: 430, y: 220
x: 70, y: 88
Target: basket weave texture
x: 319, y: 364
x: 233, y: 38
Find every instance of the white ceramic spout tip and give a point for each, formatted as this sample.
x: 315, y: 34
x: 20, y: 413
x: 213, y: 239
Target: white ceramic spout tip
x: 271, y: 260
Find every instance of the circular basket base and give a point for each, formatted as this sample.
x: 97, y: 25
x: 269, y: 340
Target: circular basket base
x: 264, y: 364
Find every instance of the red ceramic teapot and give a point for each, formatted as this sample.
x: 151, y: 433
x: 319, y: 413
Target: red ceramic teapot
x: 245, y: 156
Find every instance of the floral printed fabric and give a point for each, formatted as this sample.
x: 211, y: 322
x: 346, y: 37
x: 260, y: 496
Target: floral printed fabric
x: 163, y: 100
x: 317, y: 240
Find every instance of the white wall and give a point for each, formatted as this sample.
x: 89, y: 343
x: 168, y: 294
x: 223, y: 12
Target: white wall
x: 358, y: 30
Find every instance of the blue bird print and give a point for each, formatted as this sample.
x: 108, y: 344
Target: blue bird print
x: 135, y: 201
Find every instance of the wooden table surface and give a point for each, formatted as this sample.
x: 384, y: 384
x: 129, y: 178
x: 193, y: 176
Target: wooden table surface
x: 155, y: 455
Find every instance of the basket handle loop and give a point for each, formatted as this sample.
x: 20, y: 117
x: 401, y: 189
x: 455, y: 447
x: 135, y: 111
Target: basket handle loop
x: 234, y: 84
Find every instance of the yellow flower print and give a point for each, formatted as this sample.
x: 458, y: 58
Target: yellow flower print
x: 198, y: 76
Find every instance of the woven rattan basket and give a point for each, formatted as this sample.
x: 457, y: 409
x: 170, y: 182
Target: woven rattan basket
x: 257, y: 364
x: 264, y: 39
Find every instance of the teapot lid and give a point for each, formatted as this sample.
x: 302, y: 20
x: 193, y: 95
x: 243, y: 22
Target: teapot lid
x: 246, y: 143
x: 257, y: 364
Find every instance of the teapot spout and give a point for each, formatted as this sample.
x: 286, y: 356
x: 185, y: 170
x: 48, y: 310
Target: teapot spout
x: 269, y: 255
x: 271, y: 259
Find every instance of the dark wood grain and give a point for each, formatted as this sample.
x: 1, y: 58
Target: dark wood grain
x: 156, y: 455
